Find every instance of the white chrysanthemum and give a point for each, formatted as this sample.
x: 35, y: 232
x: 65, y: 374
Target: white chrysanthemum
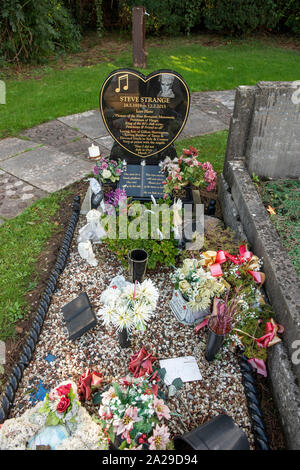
x: 142, y: 314
x: 127, y: 292
x: 149, y: 292
x: 123, y: 319
x: 107, y: 313
x: 110, y: 296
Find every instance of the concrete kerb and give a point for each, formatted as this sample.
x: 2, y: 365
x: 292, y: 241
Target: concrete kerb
x: 282, y: 286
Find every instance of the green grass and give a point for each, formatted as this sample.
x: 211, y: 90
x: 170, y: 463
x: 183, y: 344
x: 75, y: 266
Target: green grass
x: 284, y: 197
x: 55, y: 93
x: 211, y: 147
x: 21, y: 241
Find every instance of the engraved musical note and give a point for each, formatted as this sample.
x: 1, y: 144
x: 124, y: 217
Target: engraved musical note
x: 125, y: 87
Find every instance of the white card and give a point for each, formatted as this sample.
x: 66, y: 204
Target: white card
x: 186, y: 368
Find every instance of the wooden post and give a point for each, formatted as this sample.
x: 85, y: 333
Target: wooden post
x: 138, y: 37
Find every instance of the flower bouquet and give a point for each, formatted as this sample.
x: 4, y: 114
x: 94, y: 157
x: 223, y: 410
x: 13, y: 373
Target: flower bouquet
x: 59, y: 422
x: 129, y: 307
x: 188, y: 170
x: 197, y: 288
x: 108, y: 170
x: 61, y: 405
x: 133, y: 417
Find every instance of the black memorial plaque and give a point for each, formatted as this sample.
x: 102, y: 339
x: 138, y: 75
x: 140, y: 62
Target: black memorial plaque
x: 144, y: 115
x: 142, y: 181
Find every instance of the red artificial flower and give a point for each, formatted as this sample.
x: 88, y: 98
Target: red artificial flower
x: 141, y: 363
x: 63, y: 390
x: 63, y: 405
x: 87, y: 382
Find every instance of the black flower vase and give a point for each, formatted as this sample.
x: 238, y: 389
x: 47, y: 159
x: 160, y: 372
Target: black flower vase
x: 220, y: 433
x: 124, y: 339
x: 137, y: 263
x: 213, y: 345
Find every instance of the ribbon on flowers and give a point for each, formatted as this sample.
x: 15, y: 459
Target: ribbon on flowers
x: 259, y: 365
x: 270, y: 338
x: 214, y: 259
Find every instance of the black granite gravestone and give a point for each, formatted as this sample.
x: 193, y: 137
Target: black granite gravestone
x: 144, y: 115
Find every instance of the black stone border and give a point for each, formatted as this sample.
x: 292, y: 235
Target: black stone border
x: 253, y: 402
x: 33, y: 335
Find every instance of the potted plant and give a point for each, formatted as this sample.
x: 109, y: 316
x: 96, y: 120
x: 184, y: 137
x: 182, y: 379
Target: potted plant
x: 187, y: 172
x: 129, y: 307
x: 220, y: 324
x: 133, y: 417
x: 197, y: 288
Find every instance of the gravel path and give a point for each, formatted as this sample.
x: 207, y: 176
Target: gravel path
x: 220, y: 390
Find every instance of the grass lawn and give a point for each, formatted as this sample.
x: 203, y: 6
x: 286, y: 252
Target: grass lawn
x: 21, y: 241
x: 51, y: 92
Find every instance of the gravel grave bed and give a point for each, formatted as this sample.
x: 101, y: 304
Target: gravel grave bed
x: 220, y: 389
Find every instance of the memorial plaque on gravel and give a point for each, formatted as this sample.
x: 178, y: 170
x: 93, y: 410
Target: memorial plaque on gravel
x: 142, y: 181
x: 144, y: 115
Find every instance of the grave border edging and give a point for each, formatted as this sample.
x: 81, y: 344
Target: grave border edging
x: 32, y: 337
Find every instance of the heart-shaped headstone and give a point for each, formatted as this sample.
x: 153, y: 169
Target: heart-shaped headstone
x: 144, y: 115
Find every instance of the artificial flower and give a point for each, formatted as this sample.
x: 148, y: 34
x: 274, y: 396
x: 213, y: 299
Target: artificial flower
x: 161, y: 410
x: 160, y: 438
x: 88, y: 382
x: 141, y: 363
x: 63, y: 404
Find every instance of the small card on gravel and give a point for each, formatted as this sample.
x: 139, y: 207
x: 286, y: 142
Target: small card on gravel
x: 185, y: 368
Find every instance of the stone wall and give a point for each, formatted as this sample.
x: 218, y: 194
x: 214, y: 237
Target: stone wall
x: 265, y: 129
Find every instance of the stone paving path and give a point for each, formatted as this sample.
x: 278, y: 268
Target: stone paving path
x: 53, y: 155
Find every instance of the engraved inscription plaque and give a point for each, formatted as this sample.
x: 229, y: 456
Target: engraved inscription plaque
x: 140, y: 182
x: 144, y: 115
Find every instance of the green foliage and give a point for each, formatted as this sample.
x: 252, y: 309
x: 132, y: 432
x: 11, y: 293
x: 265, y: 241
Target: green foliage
x: 289, y: 16
x: 238, y: 17
x: 99, y: 13
x: 161, y: 252
x: 167, y: 17
x: 31, y: 31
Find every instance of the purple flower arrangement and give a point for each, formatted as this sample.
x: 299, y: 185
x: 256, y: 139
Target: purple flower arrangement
x: 108, y: 170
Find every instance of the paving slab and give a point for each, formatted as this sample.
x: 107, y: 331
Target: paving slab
x: 13, y: 146
x: 47, y: 168
x: 53, y: 133
x: 106, y: 141
x: 16, y: 195
x: 226, y: 97
x: 200, y: 123
x: 88, y: 123
x: 79, y: 147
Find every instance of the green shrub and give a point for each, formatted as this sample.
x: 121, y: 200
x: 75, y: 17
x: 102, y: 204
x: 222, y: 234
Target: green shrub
x: 238, y: 17
x: 168, y: 17
x: 31, y: 31
x: 289, y: 16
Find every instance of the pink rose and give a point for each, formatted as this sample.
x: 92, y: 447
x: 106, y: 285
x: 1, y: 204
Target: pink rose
x: 63, y: 405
